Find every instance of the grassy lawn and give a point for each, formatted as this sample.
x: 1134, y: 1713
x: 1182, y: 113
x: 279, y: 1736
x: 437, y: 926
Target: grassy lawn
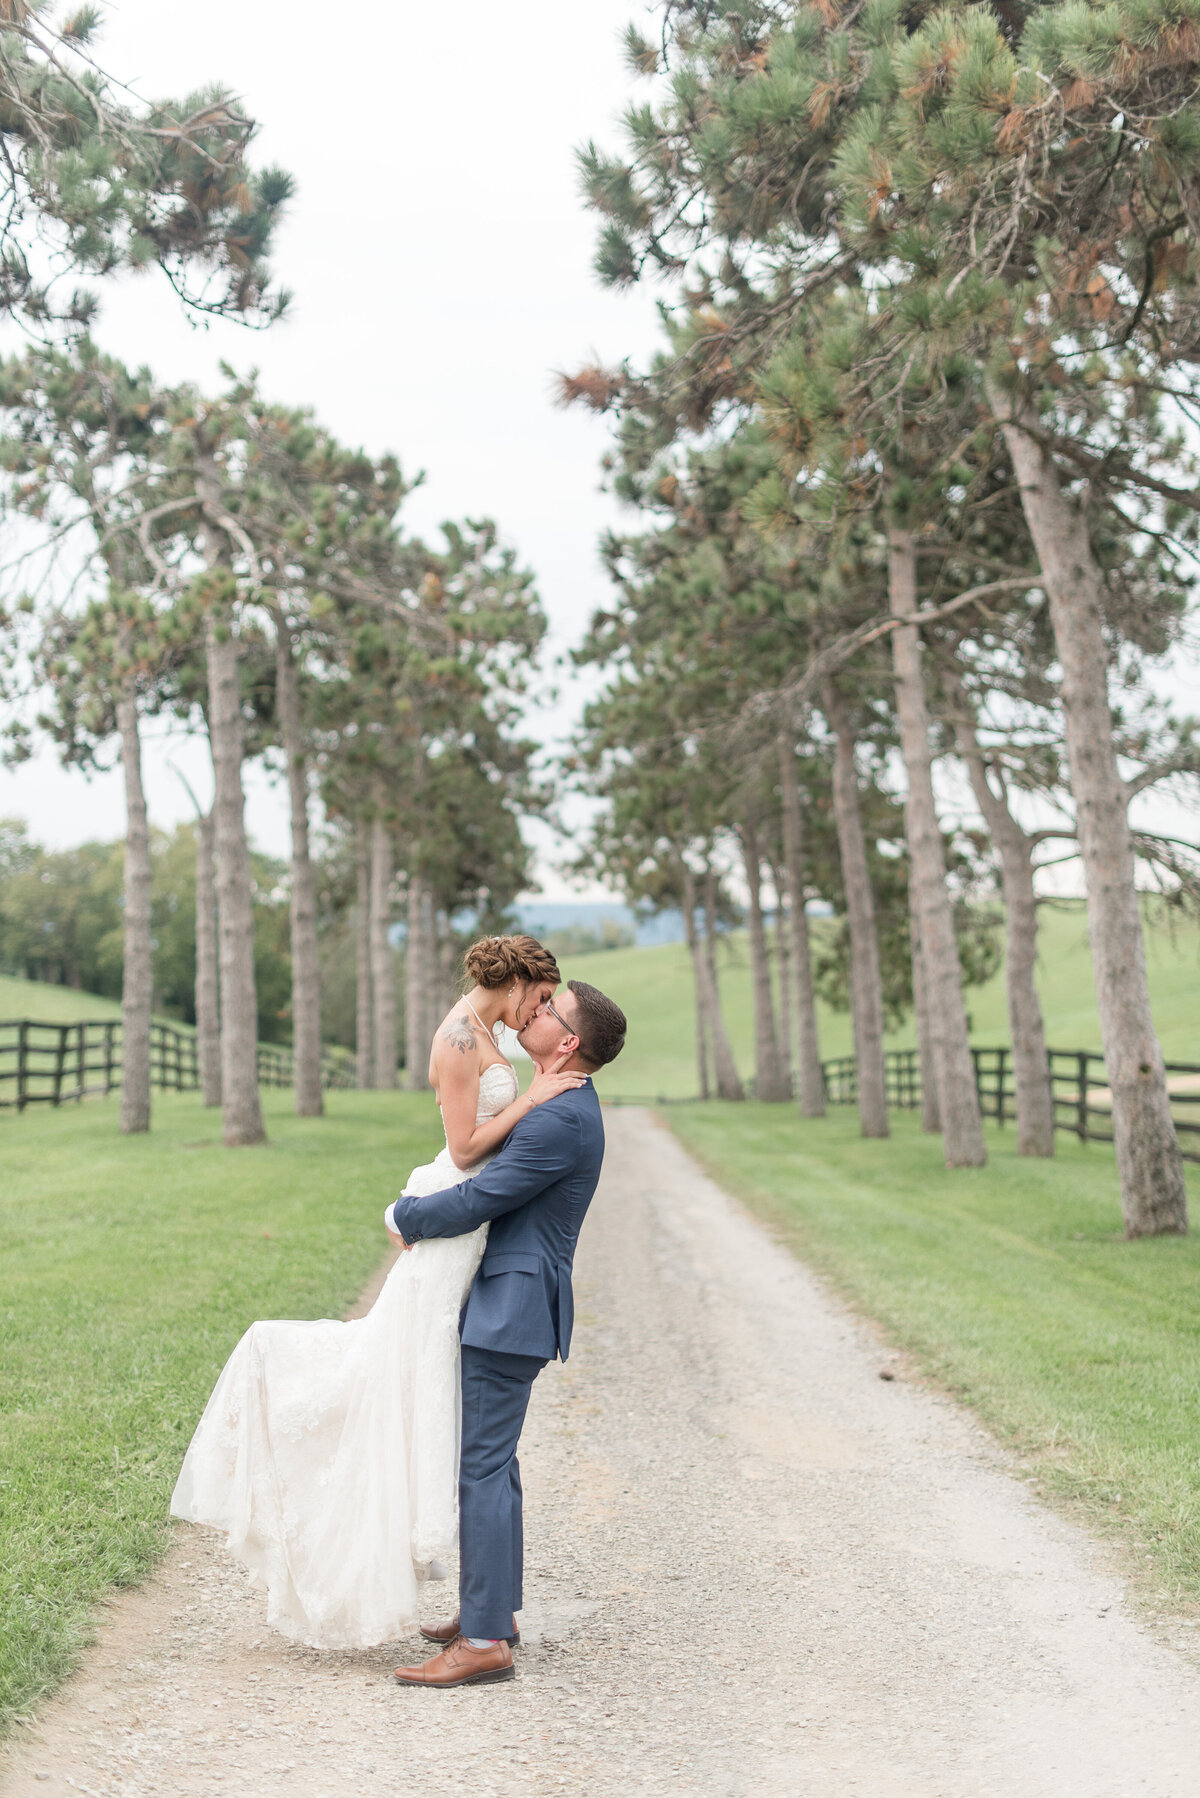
x: 51, y: 1004
x: 1013, y: 1287
x: 129, y: 1267
x: 655, y: 988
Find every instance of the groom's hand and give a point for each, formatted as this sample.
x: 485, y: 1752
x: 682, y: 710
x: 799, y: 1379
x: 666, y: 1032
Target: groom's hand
x: 394, y: 1234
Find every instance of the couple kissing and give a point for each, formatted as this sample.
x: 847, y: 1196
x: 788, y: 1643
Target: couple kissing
x: 345, y: 1463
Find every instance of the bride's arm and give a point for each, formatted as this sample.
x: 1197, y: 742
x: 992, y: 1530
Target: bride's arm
x: 456, y: 1075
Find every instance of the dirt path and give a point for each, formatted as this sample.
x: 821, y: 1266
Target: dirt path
x: 754, y: 1568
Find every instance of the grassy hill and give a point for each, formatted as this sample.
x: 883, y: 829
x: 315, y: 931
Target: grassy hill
x: 655, y: 988
x: 51, y: 1004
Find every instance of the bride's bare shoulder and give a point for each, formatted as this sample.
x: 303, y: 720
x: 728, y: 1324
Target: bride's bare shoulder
x: 458, y: 1032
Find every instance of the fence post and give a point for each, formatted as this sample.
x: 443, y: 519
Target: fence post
x: 1001, y: 1070
x: 80, y: 1061
x: 108, y: 1059
x: 22, y: 1060
x: 1081, y: 1099
x: 975, y: 1063
x: 60, y: 1056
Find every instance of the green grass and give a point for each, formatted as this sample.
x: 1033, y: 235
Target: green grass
x: 129, y: 1267
x: 654, y: 986
x: 1013, y: 1287
x: 51, y: 1004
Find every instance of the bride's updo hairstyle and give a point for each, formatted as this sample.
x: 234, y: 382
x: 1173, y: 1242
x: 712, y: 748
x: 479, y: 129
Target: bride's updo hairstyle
x: 496, y: 961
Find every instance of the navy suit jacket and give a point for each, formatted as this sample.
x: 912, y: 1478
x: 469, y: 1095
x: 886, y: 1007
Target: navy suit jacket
x: 535, y: 1194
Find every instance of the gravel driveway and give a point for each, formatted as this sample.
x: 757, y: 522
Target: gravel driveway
x: 754, y: 1567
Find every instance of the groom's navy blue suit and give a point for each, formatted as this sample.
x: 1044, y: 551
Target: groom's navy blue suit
x: 518, y: 1315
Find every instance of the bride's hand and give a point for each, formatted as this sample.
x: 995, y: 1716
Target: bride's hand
x: 550, y: 1082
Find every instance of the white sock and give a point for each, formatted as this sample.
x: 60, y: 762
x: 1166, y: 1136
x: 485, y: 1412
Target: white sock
x: 483, y: 1641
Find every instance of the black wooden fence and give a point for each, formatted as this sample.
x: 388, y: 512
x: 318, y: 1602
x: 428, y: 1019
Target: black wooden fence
x: 48, y: 1064
x: 1082, y: 1101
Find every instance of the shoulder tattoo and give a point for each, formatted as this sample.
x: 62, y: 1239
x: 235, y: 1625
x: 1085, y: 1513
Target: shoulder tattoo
x: 459, y: 1034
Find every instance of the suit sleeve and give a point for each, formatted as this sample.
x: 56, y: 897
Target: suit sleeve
x: 541, y: 1150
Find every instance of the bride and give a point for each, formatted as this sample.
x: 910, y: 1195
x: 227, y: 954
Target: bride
x: 328, y: 1452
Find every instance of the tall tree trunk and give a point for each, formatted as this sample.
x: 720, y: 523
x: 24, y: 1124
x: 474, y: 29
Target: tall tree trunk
x: 447, y: 971
x: 208, y: 979
x: 866, y: 984
x: 699, y: 973
x: 931, y: 1111
x: 306, y: 967
x: 1153, y: 1197
x: 241, y: 1108
x: 417, y: 971
x: 364, y: 1020
x: 433, y: 965
x: 811, y: 1094
x: 137, y: 989
x: 783, y: 958
x: 1031, y: 1068
x: 383, y: 966
x: 729, y: 1083
x: 962, y: 1130
x: 769, y: 1083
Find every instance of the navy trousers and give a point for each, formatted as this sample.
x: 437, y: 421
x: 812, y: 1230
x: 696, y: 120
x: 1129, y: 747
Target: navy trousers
x: 495, y: 1398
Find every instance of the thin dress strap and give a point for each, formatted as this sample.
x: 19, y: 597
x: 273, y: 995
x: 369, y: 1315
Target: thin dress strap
x: 481, y: 1024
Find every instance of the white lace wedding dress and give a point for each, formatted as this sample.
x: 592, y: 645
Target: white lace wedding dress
x: 328, y: 1452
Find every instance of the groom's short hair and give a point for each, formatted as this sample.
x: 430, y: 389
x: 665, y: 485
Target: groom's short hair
x: 600, y: 1025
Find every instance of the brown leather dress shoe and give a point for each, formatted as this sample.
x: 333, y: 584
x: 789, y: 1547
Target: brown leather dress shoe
x: 461, y: 1665
x: 446, y: 1632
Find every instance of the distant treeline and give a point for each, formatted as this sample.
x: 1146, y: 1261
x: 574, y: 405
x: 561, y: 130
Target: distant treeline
x: 61, y: 922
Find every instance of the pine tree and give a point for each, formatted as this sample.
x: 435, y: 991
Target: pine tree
x: 316, y: 514
x: 84, y: 433
x: 93, y: 184
x: 897, y: 143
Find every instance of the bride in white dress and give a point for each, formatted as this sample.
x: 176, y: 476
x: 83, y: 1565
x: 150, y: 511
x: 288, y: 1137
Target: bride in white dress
x: 328, y: 1452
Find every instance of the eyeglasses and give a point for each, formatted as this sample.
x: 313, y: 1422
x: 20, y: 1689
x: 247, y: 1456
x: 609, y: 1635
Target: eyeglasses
x: 547, y: 1006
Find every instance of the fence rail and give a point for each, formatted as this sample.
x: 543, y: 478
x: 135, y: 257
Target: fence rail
x: 1078, y: 1082
x: 51, y: 1064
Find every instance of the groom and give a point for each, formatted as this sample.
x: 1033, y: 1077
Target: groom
x: 517, y: 1317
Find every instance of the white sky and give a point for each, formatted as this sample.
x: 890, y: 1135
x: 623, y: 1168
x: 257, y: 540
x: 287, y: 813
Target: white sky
x: 440, y: 259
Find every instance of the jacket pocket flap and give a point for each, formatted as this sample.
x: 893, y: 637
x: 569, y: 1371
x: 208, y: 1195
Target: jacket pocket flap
x: 509, y: 1263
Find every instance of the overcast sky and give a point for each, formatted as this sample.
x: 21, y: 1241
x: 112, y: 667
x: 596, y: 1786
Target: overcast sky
x: 440, y: 259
